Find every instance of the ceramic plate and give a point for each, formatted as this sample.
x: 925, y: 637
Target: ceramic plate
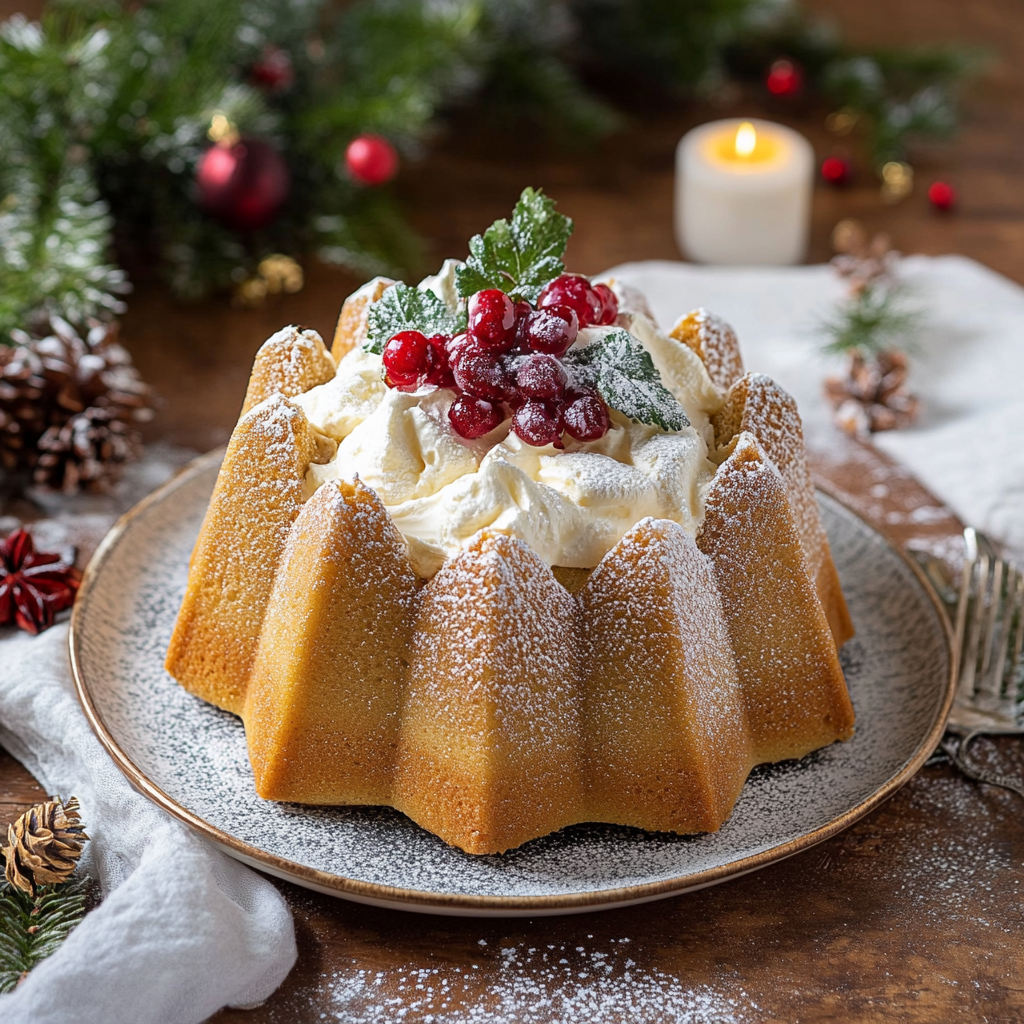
x: 190, y: 757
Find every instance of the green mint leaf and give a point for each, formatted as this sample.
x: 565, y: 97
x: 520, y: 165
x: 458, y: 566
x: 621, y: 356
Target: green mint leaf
x: 521, y: 257
x: 403, y: 308
x: 622, y: 371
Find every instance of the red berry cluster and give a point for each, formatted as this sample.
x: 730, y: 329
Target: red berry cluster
x: 509, y: 362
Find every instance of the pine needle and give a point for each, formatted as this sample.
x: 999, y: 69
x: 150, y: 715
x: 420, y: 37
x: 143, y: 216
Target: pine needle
x: 874, y: 320
x: 33, y: 928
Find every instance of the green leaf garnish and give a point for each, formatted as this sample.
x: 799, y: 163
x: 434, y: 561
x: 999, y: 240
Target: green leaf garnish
x: 521, y: 257
x: 624, y: 374
x: 403, y: 308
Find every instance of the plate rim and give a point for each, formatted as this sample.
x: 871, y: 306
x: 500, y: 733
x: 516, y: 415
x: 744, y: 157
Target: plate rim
x: 396, y: 897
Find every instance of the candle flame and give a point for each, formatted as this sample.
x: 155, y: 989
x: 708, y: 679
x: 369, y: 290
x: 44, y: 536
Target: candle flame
x: 746, y: 139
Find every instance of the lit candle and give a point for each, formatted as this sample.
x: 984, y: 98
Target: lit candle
x: 743, y: 193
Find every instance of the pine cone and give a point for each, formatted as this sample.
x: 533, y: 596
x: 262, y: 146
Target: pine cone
x: 873, y: 396
x: 44, y: 845
x: 67, y: 406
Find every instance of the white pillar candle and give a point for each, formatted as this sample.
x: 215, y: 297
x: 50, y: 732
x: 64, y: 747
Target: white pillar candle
x: 743, y: 193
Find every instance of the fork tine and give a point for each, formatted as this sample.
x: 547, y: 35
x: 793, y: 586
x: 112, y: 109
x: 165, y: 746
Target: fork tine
x: 1002, y: 638
x: 1017, y: 641
x: 966, y: 574
x: 993, y: 595
x: 969, y: 662
x: 995, y: 638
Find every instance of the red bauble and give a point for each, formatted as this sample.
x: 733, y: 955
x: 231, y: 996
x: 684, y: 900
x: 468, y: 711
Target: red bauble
x: 836, y: 170
x: 785, y: 78
x: 371, y: 160
x: 942, y: 195
x: 243, y: 185
x: 274, y: 70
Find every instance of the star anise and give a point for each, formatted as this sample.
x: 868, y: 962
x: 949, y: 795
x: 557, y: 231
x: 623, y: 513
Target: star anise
x: 34, y: 585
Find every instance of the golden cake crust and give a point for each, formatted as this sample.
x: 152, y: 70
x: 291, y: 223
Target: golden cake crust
x: 258, y: 495
x: 715, y: 342
x: 288, y: 363
x: 756, y: 404
x: 351, y: 328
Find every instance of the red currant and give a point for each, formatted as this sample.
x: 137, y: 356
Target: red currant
x: 609, y: 304
x: 575, y: 291
x: 481, y: 374
x: 537, y: 424
x: 456, y: 346
x: 440, y: 374
x: 586, y: 418
x: 407, y: 357
x: 541, y: 376
x: 491, y: 319
x: 473, y: 417
x: 523, y: 311
x: 552, y: 330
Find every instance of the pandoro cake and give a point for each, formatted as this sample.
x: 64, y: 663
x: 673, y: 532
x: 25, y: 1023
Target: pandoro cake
x: 509, y: 557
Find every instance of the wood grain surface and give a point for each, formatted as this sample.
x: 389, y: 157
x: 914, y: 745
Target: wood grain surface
x: 912, y: 915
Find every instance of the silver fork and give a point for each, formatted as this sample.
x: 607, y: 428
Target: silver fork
x: 989, y: 631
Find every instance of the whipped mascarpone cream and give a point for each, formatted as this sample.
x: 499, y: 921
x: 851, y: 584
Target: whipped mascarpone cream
x: 571, y: 506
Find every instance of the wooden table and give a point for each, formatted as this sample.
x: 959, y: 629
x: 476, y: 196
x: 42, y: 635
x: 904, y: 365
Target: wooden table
x: 914, y: 914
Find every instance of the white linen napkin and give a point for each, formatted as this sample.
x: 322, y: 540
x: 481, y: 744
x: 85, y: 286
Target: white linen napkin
x: 183, y: 929
x: 967, y: 366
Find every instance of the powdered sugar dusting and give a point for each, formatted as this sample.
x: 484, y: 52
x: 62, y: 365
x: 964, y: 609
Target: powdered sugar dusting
x: 289, y: 362
x: 715, y: 342
x: 757, y: 404
x: 531, y: 984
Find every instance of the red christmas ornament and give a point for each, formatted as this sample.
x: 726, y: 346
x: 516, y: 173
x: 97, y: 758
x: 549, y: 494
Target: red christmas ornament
x: 836, y: 170
x: 244, y: 185
x: 273, y: 71
x: 34, y: 585
x: 785, y: 79
x: 371, y: 160
x: 942, y: 195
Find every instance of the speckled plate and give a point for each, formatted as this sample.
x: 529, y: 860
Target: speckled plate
x: 190, y: 757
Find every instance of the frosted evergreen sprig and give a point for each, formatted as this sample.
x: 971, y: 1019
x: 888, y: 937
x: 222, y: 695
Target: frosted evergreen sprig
x: 33, y: 928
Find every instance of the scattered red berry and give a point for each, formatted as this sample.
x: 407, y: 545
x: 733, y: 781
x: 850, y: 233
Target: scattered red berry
x: 551, y: 330
x: 576, y: 292
x: 408, y: 357
x: 785, y: 79
x: 542, y: 377
x: 609, y: 304
x: 836, y: 170
x: 586, y: 418
x: 491, y: 319
x: 371, y: 160
x: 481, y: 374
x: 34, y: 585
x: 537, y: 424
x: 274, y: 71
x: 942, y: 195
x: 473, y: 417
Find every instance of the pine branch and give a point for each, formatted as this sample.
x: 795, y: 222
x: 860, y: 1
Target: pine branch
x: 31, y: 929
x: 873, y: 320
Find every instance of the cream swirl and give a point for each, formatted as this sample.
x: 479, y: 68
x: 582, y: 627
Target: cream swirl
x: 571, y: 506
